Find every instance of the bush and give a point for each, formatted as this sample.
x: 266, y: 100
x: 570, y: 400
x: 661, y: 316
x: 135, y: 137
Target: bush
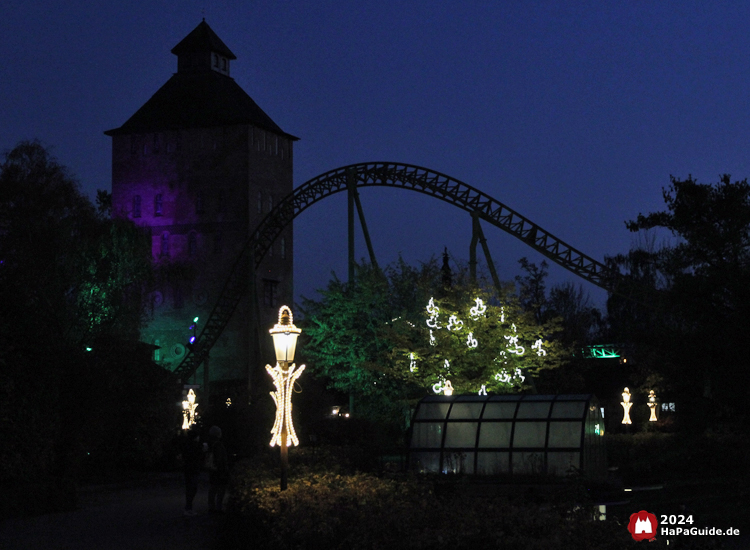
x: 334, y: 510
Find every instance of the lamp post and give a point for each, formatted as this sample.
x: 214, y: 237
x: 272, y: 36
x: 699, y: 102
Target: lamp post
x: 284, y: 374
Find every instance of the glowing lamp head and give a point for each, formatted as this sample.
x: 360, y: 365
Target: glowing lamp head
x: 191, y: 397
x: 285, y: 335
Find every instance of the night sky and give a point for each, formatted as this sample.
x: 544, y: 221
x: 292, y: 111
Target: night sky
x: 574, y: 114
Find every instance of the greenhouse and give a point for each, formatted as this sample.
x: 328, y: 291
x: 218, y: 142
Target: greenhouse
x: 553, y: 435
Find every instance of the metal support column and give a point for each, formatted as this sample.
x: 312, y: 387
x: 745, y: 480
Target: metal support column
x: 479, y: 234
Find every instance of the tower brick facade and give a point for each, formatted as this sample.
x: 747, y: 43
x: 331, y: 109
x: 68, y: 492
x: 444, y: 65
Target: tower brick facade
x: 199, y: 165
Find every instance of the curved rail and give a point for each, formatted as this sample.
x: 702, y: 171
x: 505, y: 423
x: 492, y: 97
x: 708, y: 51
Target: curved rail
x: 384, y: 174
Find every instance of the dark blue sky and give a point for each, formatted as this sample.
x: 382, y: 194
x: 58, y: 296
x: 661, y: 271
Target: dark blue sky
x: 572, y: 113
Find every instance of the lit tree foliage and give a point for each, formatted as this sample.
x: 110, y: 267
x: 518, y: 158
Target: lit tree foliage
x: 486, y: 344
x: 371, y: 339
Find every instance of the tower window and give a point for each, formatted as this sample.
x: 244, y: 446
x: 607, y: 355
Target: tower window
x: 164, y: 249
x: 192, y: 244
x: 270, y: 293
x: 158, y: 205
x: 137, y: 206
x: 199, y: 203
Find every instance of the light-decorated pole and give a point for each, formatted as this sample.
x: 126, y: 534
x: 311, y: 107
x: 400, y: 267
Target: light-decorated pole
x: 284, y: 374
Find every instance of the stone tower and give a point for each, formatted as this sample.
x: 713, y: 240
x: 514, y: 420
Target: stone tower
x: 199, y: 165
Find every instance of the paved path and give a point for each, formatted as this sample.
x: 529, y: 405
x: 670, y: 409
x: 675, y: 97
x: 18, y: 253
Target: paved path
x: 142, y: 515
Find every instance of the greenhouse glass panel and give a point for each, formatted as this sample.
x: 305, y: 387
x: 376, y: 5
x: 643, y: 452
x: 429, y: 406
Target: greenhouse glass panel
x: 493, y: 463
x: 561, y: 463
x: 565, y: 434
x: 529, y: 434
x: 568, y: 409
x: 466, y: 410
x: 531, y: 409
x: 500, y: 410
x: 426, y: 462
x: 461, y: 434
x: 495, y: 434
x: 428, y: 435
x: 528, y: 463
x: 433, y: 411
x: 458, y: 463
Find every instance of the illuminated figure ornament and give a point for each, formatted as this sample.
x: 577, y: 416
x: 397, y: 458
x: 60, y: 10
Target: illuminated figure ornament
x: 502, y: 314
x: 444, y: 386
x: 188, y: 410
x: 471, y: 341
x: 454, y: 322
x: 652, y: 405
x: 284, y: 380
x: 538, y: 347
x: 412, y: 363
x: 519, y: 375
x: 483, y: 390
x: 434, y: 311
x: 504, y: 377
x: 433, y: 341
x: 478, y: 309
x: 448, y: 388
x: 626, y: 404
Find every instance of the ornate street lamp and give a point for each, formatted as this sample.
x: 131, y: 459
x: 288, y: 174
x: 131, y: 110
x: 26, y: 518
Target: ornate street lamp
x: 284, y: 375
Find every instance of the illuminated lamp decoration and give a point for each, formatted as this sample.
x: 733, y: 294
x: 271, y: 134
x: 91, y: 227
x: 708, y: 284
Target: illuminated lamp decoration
x: 412, y: 363
x: 433, y: 340
x: 538, y: 347
x: 454, y: 323
x: 434, y: 311
x: 189, y: 413
x: 652, y: 405
x: 284, y: 376
x: 478, y: 309
x: 483, y: 390
x: 471, y: 341
x: 448, y: 388
x: 229, y: 402
x: 335, y: 410
x: 626, y: 404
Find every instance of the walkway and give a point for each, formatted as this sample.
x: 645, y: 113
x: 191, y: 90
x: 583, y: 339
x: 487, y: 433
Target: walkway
x: 142, y: 515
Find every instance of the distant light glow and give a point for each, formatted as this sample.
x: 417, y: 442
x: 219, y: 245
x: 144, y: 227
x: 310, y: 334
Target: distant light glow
x: 189, y: 413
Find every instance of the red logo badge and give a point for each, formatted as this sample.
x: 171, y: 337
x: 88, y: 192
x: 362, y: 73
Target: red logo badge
x: 642, y: 526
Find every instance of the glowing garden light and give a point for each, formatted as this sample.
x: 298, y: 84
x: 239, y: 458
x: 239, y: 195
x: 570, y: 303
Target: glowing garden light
x: 284, y: 375
x: 626, y: 404
x: 189, y: 407
x: 652, y: 405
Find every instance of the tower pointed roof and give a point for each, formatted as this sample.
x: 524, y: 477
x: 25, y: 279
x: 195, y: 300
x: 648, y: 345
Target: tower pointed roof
x: 202, y: 39
x: 197, y: 96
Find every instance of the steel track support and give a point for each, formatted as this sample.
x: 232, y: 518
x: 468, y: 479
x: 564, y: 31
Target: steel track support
x: 479, y: 234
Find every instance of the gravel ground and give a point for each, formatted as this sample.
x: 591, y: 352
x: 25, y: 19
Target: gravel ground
x: 144, y: 514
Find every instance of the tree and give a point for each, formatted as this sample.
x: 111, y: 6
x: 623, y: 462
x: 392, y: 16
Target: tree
x: 701, y: 282
x: 70, y: 280
x: 370, y: 337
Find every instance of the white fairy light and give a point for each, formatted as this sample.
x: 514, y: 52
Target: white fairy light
x: 483, y: 390
x: 478, y: 309
x: 447, y: 365
x: 433, y: 341
x: 520, y: 375
x: 471, y: 341
x: 538, y: 346
x: 412, y: 363
x: 434, y: 311
x: 454, y: 322
x: 502, y: 314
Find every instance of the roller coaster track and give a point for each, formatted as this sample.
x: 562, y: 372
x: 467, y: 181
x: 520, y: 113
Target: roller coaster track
x: 385, y: 174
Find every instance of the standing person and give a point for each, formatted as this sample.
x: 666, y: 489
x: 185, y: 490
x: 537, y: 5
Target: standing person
x: 192, y: 461
x: 217, y: 464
